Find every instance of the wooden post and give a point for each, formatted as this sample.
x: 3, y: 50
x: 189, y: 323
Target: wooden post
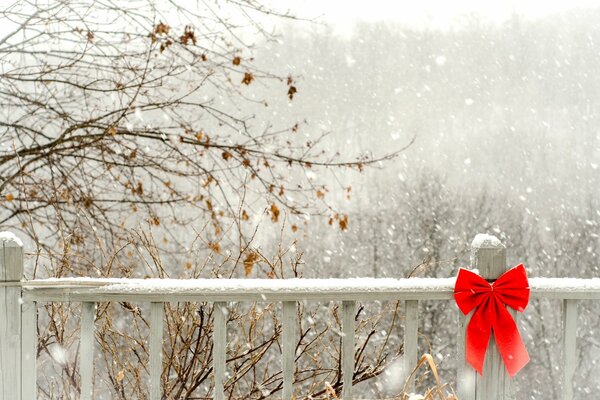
x: 489, y: 257
x: 466, y: 375
x: 11, y: 272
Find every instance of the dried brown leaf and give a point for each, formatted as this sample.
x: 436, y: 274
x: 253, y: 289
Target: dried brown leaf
x: 291, y: 92
x: 343, y: 222
x: 162, y: 28
x: 188, y: 35
x: 248, y: 78
x: 215, y: 247
x: 274, y: 212
x: 249, y: 262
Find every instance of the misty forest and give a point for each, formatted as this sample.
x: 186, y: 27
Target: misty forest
x: 245, y: 140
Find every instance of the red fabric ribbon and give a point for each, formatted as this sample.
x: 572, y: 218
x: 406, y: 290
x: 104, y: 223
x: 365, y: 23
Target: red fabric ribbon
x: 472, y: 292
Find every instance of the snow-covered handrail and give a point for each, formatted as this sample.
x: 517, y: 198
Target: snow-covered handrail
x: 102, y: 289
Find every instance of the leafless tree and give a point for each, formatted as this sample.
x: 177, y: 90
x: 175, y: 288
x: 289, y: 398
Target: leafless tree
x: 109, y: 112
x: 126, y: 121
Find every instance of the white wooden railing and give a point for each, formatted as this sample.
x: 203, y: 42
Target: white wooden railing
x: 19, y: 298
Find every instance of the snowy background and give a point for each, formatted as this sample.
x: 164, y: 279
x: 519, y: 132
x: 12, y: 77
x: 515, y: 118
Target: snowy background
x: 502, y: 99
x: 494, y: 107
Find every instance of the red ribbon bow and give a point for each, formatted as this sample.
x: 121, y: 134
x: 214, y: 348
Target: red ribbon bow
x: 472, y: 292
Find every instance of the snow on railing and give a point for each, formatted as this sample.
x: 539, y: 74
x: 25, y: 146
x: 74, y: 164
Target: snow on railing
x: 18, y: 315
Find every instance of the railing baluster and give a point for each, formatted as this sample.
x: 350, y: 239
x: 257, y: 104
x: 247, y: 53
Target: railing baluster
x: 156, y: 341
x: 411, y: 331
x: 29, y: 350
x: 569, y: 319
x: 289, y: 348
x: 219, y: 348
x: 348, y: 310
x: 86, y: 348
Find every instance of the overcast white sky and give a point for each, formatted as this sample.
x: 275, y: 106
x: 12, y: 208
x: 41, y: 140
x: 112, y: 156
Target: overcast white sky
x: 430, y: 13
x: 343, y: 14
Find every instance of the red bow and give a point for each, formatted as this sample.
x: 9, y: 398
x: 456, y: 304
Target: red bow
x: 472, y: 292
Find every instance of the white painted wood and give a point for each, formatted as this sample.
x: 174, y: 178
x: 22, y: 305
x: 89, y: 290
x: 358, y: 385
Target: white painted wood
x: 411, y: 331
x: 348, y: 323
x: 156, y: 342
x: 11, y: 262
x: 289, y: 348
x: 95, y: 290
x: 249, y: 295
x: 86, y: 349
x: 490, y: 259
x: 569, y: 320
x: 492, y: 384
x: 29, y: 351
x: 18, y: 336
x: 11, y: 272
x: 466, y: 376
x: 219, y: 348
x: 93, y: 294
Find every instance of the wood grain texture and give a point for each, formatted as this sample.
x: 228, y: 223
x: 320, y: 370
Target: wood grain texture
x: 348, y: 328
x: 289, y: 348
x: 411, y: 332
x: 466, y: 376
x: 29, y: 351
x: 11, y: 270
x: 156, y: 342
x: 69, y: 290
x: 219, y: 349
x: 490, y: 260
x: 569, y: 339
x: 86, y: 350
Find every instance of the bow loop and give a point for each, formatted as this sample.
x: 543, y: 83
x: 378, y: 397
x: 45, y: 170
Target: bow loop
x: 489, y: 302
x: 470, y: 290
x: 514, y: 288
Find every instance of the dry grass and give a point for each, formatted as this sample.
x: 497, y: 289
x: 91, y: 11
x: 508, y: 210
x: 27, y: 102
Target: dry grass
x: 437, y: 392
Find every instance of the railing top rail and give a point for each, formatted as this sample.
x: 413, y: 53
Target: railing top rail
x: 114, y: 289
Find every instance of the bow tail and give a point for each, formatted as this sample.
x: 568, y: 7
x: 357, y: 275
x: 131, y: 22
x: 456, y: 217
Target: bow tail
x: 509, y: 342
x: 478, y: 336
